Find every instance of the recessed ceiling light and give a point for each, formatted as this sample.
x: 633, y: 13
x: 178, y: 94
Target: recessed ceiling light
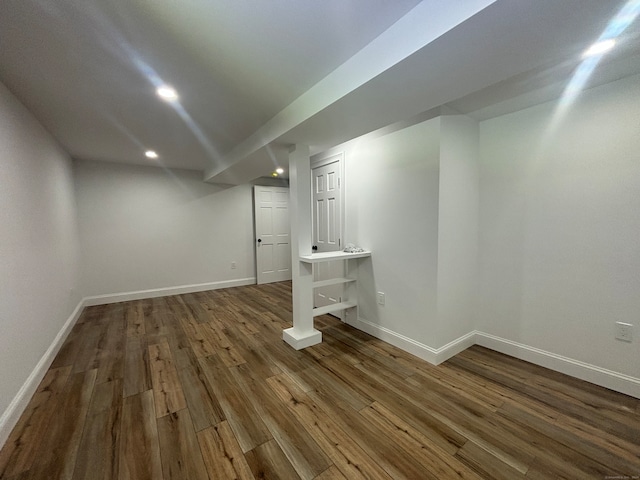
x: 599, y: 48
x: 167, y: 93
x: 150, y: 154
x: 279, y: 170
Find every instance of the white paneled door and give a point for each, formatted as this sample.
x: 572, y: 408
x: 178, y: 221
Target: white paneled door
x: 327, y: 211
x: 273, y: 243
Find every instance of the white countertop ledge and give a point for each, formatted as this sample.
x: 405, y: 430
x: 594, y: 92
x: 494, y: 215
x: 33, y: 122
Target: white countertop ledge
x: 330, y: 256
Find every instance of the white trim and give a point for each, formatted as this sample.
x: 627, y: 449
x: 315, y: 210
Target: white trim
x: 618, y: 382
x: 591, y: 373
x: 432, y: 355
x: 321, y: 161
x: 456, y: 346
x: 164, y: 292
x: 304, y: 340
x: 18, y: 405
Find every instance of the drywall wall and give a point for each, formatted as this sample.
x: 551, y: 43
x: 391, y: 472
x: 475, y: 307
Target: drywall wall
x: 391, y: 207
x: 520, y: 233
x: 38, y: 253
x: 151, y: 229
x: 560, y: 227
x: 412, y: 196
x: 457, y: 227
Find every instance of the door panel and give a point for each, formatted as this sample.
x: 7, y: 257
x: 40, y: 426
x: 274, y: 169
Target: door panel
x: 273, y: 246
x: 320, y: 237
x: 332, y: 233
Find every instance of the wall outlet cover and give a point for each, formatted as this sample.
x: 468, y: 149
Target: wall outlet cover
x: 623, y: 331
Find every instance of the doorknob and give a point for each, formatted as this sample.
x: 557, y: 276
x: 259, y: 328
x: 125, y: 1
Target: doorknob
x: 259, y: 240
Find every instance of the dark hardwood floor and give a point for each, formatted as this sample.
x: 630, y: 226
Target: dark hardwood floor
x: 202, y: 386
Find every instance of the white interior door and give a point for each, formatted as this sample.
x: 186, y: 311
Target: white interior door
x: 327, y: 210
x: 273, y: 243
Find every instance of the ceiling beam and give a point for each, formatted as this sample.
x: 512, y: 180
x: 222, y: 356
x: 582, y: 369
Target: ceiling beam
x: 422, y: 25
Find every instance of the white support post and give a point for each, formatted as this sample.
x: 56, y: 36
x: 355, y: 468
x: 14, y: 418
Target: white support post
x: 302, y: 334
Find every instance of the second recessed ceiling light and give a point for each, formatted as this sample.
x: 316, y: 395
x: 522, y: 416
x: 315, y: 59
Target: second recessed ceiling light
x: 599, y: 48
x: 167, y: 93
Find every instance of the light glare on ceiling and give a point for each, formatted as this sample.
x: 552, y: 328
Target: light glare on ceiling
x: 167, y: 93
x: 279, y: 170
x: 599, y: 48
x: 150, y: 154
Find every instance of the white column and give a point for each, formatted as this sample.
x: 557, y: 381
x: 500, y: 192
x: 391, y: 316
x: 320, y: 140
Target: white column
x: 302, y: 334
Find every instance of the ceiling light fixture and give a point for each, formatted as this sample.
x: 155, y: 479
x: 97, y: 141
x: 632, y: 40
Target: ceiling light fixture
x: 150, y: 154
x: 279, y: 170
x: 167, y: 93
x: 599, y: 48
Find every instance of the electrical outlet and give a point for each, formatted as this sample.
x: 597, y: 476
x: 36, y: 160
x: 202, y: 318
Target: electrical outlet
x: 380, y: 298
x: 623, y: 331
x: 233, y: 265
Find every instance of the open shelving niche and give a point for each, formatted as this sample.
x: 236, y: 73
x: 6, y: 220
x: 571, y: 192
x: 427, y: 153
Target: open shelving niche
x: 302, y: 334
x: 351, y: 300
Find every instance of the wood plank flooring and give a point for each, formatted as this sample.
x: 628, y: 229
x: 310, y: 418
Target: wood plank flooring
x: 202, y: 386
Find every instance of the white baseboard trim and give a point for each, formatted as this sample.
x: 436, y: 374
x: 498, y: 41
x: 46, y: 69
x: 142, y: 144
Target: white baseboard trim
x: 18, y: 405
x: 164, y: 292
x: 432, y: 355
x: 591, y: 373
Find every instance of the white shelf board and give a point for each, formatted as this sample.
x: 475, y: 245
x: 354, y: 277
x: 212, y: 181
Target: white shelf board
x: 336, y: 307
x: 332, y: 281
x: 330, y: 256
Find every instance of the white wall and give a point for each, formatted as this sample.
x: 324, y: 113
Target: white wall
x: 560, y: 227
x: 391, y: 200
x: 412, y: 198
x: 521, y: 233
x: 38, y: 251
x: 148, y: 228
x: 457, y: 227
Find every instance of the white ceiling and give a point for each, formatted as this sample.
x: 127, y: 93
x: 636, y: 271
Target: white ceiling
x: 256, y: 75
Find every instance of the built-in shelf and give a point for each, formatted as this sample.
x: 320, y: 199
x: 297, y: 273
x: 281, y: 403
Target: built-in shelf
x: 330, y: 256
x: 335, y: 307
x: 302, y: 334
x: 332, y: 281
